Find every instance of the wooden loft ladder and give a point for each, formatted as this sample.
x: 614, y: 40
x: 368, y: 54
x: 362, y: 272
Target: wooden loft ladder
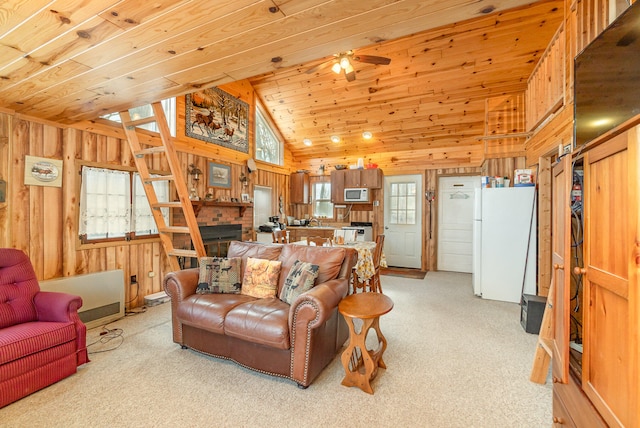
x: 140, y: 154
x: 543, y: 353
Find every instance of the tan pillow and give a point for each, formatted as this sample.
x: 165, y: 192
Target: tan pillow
x: 261, y: 277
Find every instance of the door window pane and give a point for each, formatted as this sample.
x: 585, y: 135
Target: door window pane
x: 403, y: 203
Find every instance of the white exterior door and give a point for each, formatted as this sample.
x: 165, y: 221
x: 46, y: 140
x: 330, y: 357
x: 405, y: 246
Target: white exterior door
x: 403, y: 220
x: 455, y: 223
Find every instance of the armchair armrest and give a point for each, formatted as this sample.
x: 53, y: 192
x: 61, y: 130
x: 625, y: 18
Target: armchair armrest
x: 54, y: 306
x: 57, y: 307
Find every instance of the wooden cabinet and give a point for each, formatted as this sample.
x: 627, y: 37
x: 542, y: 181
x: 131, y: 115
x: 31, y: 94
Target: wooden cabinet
x: 299, y: 188
x: 345, y: 178
x: 369, y: 178
x: 596, y: 350
x: 338, y: 185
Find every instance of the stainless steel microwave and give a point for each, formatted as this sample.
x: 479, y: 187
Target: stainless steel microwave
x: 359, y: 194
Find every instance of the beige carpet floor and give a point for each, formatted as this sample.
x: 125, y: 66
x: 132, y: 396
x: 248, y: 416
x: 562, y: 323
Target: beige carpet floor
x: 453, y: 360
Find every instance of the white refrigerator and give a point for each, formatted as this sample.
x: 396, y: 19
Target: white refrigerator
x: 504, y: 243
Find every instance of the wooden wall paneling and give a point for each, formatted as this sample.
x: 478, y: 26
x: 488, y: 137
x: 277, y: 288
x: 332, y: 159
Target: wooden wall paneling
x: 133, y: 289
x: 52, y: 207
x: 71, y: 205
x: 545, y: 87
x: 505, y: 115
x: 5, y: 162
x: 19, y: 194
x: 558, y: 130
x: 571, y: 31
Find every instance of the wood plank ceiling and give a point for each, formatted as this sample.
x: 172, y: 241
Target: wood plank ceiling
x: 73, y: 60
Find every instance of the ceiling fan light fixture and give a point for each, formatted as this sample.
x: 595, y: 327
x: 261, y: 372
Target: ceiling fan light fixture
x: 344, y: 62
x: 367, y: 135
x: 349, y: 68
x: 335, y: 139
x: 336, y: 68
x: 307, y: 142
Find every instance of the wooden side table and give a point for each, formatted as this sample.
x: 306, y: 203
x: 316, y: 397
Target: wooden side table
x: 361, y: 364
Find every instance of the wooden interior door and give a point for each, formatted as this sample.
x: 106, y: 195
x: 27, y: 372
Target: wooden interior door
x: 561, y: 255
x: 607, y: 374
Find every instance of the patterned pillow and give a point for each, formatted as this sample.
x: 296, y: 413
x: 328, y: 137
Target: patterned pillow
x: 219, y: 275
x: 301, y: 278
x: 261, y: 277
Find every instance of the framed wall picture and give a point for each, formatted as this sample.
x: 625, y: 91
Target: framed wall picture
x: 217, y: 117
x: 219, y: 175
x: 42, y: 171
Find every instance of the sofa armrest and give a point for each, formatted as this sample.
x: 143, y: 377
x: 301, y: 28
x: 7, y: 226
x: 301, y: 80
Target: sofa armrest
x: 315, y: 306
x: 179, y: 285
x: 57, y: 307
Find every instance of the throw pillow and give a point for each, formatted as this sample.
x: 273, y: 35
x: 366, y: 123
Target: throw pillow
x: 219, y: 275
x: 261, y: 277
x: 302, y: 277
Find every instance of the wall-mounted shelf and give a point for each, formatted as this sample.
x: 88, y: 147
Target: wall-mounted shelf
x: 242, y: 206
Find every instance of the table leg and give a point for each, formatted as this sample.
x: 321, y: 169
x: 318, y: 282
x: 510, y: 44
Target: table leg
x: 360, y: 370
x: 382, y: 343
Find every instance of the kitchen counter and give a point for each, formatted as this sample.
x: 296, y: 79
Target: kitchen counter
x: 299, y: 233
x: 313, y: 227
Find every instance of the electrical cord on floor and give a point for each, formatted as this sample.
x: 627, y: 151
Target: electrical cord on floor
x: 132, y: 312
x: 106, y: 336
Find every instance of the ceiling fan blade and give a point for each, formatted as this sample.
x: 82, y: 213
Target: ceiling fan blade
x: 371, y: 59
x: 319, y: 67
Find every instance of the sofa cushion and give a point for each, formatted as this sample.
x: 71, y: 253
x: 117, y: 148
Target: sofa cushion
x: 256, y: 250
x: 261, y: 277
x: 208, y: 311
x: 28, y: 338
x: 328, y: 258
x: 219, y: 275
x: 31, y: 363
x: 301, y: 278
x: 263, y: 321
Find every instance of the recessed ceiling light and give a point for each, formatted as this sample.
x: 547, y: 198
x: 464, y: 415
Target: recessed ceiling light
x: 307, y: 142
x: 335, y: 139
x: 367, y: 135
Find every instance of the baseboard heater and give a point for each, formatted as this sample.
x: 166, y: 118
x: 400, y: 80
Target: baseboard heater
x: 102, y: 295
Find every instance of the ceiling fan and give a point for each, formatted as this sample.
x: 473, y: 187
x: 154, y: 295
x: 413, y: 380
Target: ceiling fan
x: 343, y: 63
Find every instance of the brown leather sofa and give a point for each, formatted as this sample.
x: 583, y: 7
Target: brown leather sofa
x: 294, y: 341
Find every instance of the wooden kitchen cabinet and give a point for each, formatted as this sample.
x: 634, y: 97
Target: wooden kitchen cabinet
x: 338, y: 185
x: 369, y: 178
x: 340, y: 179
x: 299, y: 188
x: 596, y: 367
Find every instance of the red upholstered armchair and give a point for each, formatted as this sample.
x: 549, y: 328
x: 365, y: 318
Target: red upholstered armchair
x: 42, y: 340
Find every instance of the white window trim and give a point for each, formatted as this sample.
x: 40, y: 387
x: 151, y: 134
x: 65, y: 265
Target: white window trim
x: 131, y: 235
x: 259, y: 110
